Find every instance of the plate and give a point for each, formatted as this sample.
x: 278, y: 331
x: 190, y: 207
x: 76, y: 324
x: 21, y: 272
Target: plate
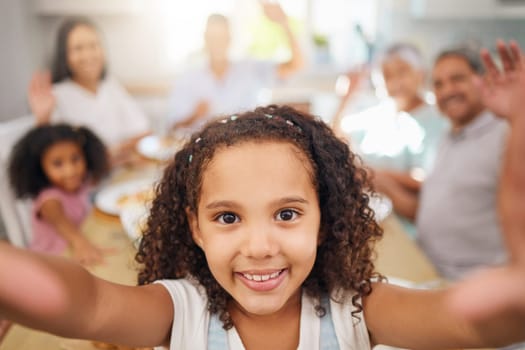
x: 381, y: 205
x: 134, y: 219
x: 159, y: 148
x: 113, y: 198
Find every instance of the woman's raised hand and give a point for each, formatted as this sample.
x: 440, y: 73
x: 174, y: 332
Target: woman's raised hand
x: 41, y: 98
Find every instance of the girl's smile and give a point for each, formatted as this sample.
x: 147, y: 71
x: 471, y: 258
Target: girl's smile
x: 65, y: 165
x: 262, y: 281
x: 258, y: 222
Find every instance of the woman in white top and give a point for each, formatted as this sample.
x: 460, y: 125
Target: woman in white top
x: 79, y: 92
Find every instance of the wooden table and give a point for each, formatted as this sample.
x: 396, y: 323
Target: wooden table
x: 398, y: 256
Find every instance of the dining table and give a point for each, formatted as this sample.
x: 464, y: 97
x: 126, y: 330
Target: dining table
x: 398, y: 257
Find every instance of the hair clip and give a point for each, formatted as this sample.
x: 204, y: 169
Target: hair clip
x: 190, y: 157
x: 198, y: 140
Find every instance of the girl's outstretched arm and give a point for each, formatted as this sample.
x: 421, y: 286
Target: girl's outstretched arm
x: 58, y: 296
x: 488, y: 309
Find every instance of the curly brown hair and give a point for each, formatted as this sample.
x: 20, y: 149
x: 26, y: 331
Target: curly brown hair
x: 348, y: 230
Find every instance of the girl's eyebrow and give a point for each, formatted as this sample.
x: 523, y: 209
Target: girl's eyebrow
x: 233, y: 204
x: 292, y: 199
x: 221, y: 204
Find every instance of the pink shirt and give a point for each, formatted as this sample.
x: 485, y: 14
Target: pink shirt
x: 76, y: 207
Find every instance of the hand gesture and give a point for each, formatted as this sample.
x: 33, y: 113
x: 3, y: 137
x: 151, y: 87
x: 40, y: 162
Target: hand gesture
x: 274, y: 12
x: 503, y: 91
x: 499, y: 294
x: 41, y: 98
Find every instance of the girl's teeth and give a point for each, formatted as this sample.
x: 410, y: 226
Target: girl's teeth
x: 259, y: 278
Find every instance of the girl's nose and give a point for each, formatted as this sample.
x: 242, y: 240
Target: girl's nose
x: 259, y: 243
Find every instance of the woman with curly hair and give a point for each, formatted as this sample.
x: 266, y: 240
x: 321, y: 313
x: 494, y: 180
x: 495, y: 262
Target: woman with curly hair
x: 261, y: 237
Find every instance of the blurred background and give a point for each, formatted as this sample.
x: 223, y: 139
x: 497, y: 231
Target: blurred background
x: 148, y: 42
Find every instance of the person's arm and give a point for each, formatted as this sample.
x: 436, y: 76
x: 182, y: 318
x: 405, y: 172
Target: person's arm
x: 58, y: 296
x: 275, y: 13
x: 355, y: 81
x: 40, y: 96
x: 52, y: 212
x: 125, y: 153
x: 504, y: 94
x: 423, y: 319
x: 401, y: 188
x: 200, y: 111
x: 488, y: 308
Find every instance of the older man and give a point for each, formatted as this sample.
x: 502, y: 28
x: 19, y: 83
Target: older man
x: 457, y: 223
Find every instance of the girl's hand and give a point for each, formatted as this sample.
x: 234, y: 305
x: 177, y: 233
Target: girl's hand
x: 85, y: 253
x: 503, y: 91
x: 41, y: 98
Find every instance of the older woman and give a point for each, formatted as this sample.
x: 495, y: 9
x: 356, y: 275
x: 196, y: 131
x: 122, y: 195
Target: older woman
x: 80, y: 92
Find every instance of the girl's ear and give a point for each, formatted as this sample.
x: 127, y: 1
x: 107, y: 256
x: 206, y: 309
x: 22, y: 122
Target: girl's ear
x: 194, y: 227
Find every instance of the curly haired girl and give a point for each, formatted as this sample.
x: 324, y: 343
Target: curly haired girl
x: 55, y: 165
x: 261, y: 237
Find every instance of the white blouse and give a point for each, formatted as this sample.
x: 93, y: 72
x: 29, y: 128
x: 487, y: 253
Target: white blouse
x: 110, y: 113
x: 190, y: 324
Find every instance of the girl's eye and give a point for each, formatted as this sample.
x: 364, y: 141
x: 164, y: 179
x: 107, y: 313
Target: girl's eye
x: 286, y: 215
x: 227, y: 218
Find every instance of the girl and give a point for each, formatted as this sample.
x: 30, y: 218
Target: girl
x: 55, y: 165
x: 262, y: 238
x: 80, y: 92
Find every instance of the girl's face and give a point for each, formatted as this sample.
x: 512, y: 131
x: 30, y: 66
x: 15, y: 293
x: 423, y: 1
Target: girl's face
x: 85, y: 57
x: 65, y: 165
x: 258, y: 224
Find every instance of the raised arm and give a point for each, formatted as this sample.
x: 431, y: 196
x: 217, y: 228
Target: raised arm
x: 355, y: 81
x: 501, y: 292
x: 41, y: 98
x: 57, y: 296
x: 488, y: 309
x: 275, y: 13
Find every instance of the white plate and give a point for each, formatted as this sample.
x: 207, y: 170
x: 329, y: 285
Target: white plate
x: 381, y: 205
x: 107, y: 199
x: 134, y: 219
x: 158, y: 148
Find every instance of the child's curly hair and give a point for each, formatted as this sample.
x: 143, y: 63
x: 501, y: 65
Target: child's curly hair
x: 26, y: 175
x: 348, y: 230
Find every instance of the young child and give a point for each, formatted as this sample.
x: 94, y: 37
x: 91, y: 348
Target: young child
x: 55, y: 166
x: 261, y: 237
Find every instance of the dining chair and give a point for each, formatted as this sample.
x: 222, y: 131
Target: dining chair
x: 15, y: 213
